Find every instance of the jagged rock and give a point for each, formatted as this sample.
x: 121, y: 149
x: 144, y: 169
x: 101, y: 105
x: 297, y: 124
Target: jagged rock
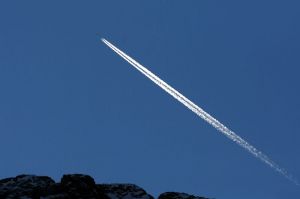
x: 124, y: 191
x: 79, y: 186
x: 75, y: 186
x: 30, y: 186
x: 177, y: 195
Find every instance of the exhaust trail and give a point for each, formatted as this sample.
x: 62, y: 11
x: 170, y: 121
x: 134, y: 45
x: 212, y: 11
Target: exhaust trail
x: 201, y: 113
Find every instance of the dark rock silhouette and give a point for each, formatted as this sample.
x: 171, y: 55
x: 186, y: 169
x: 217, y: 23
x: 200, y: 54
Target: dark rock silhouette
x: 75, y: 186
x: 176, y: 195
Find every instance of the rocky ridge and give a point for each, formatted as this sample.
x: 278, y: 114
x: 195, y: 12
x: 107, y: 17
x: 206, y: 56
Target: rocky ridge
x: 75, y: 186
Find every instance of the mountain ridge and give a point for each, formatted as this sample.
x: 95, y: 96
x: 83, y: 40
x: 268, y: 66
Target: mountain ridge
x: 75, y: 186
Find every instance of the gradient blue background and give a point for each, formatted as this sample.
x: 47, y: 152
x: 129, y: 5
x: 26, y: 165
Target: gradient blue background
x: 68, y: 104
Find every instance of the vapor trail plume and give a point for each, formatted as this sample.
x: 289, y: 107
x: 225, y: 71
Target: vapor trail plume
x: 201, y: 113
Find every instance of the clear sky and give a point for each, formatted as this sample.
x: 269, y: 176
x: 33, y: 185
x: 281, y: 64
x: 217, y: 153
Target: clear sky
x: 69, y: 104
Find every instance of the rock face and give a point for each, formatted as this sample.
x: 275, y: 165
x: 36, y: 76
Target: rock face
x: 75, y: 186
x: 24, y: 185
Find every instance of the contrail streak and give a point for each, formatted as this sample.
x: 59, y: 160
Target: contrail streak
x: 201, y: 113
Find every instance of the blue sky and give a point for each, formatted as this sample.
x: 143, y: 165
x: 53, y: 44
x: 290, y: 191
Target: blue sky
x: 69, y: 104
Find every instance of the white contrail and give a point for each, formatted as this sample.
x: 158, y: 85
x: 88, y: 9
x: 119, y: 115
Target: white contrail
x: 201, y: 113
